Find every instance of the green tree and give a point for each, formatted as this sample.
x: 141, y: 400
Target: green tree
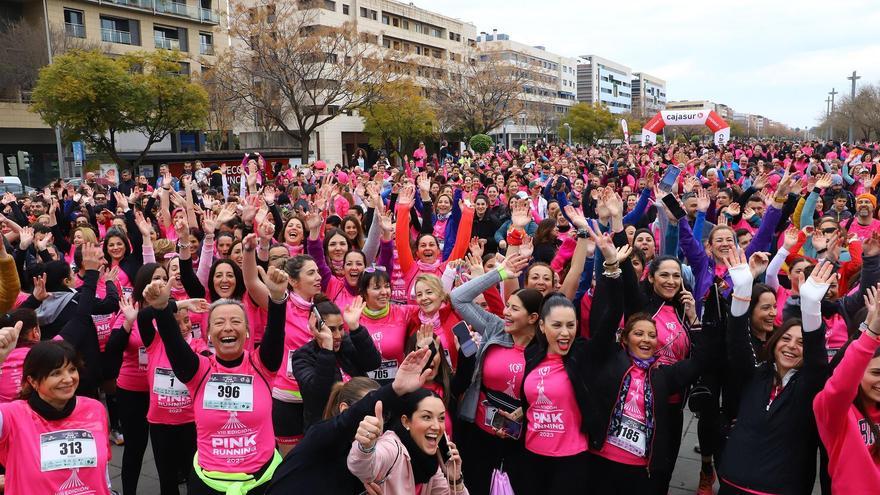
x: 399, y: 118
x: 94, y: 98
x: 480, y: 143
x: 588, y: 122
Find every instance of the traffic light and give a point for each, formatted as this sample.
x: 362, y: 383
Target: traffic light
x: 12, y: 165
x: 24, y: 160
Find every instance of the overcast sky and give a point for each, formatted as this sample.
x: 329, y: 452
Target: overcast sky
x: 778, y: 58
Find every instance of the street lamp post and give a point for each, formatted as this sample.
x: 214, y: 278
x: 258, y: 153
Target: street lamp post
x: 567, y: 126
x: 852, y: 78
x: 830, y: 125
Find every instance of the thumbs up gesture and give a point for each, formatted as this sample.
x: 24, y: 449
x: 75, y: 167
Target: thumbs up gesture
x: 9, y: 338
x: 370, y: 429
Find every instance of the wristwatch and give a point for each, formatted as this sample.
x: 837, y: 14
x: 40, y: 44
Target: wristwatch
x: 583, y: 233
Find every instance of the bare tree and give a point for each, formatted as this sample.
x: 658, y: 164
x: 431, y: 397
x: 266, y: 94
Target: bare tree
x: 479, y: 93
x: 541, y: 113
x: 22, y: 53
x: 293, y: 72
x: 223, y: 109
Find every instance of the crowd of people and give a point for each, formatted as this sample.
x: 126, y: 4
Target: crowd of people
x: 531, y: 320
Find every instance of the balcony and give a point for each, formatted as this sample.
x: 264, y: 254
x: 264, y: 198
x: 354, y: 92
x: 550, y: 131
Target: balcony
x: 169, y: 7
x: 114, y: 36
x: 205, y: 49
x: 167, y: 43
x: 75, y: 30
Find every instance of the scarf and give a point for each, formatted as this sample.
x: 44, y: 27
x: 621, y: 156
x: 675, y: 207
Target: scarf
x: 428, y: 267
x: 424, y: 466
x: 299, y: 301
x: 617, y: 415
x: 294, y: 250
x: 375, y: 314
x: 52, y: 307
x: 433, y: 320
x: 336, y: 266
x: 48, y: 412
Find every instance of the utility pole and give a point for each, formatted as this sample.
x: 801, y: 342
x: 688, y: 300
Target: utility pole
x: 828, y: 117
x: 852, y: 78
x: 830, y: 125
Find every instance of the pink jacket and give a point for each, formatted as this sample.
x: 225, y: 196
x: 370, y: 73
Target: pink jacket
x: 392, y: 457
x: 850, y: 464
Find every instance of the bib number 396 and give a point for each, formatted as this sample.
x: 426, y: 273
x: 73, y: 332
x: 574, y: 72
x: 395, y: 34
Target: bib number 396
x: 229, y: 392
x: 67, y: 449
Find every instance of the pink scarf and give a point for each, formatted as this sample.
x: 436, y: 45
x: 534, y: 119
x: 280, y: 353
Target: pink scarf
x: 428, y: 267
x: 299, y: 301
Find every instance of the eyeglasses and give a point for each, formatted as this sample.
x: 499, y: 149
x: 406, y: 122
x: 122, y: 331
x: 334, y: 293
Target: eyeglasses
x: 828, y: 230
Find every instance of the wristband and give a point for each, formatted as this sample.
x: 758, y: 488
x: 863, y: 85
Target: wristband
x: 740, y: 298
x: 502, y: 272
x: 515, y: 237
x: 780, y: 199
x: 609, y: 265
x: 366, y: 451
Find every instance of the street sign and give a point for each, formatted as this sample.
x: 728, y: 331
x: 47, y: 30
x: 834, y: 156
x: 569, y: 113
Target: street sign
x: 79, y: 153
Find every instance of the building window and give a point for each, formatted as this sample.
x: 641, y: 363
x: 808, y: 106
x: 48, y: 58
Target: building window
x: 206, y: 44
x: 167, y: 38
x: 345, y: 9
x: 364, y: 12
x: 115, y: 31
x: 374, y: 15
x: 437, y: 33
x: 386, y: 20
x: 74, y: 24
x: 395, y: 22
x: 404, y: 24
x: 386, y: 42
x: 330, y: 5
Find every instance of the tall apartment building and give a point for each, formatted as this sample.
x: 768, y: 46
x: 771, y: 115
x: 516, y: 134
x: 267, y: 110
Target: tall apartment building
x: 603, y: 81
x: 425, y: 42
x: 194, y: 27
x: 550, y: 86
x: 648, y: 94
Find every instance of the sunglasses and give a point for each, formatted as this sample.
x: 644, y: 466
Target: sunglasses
x: 828, y: 230
x: 373, y: 268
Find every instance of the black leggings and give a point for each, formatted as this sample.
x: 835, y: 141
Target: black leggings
x: 173, y: 448
x: 614, y: 478
x: 484, y: 453
x: 556, y: 475
x: 195, y: 486
x: 132, y: 407
x: 675, y: 423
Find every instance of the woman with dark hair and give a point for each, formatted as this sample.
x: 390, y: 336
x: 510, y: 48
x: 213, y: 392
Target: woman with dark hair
x: 847, y: 410
x: 28, y: 336
x: 318, y: 464
x: 546, y: 241
x: 127, y: 249
x: 774, y: 397
x: 319, y: 364
x: 407, y: 456
x: 488, y: 434
x: 353, y: 231
x: 52, y: 439
x: 231, y: 391
x: 305, y: 284
x: 386, y: 322
x: 132, y: 385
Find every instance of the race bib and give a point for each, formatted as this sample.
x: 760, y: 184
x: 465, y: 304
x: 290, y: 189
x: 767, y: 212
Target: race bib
x: 166, y: 383
x: 229, y: 392
x: 630, y: 436
x: 386, y: 371
x: 67, y: 449
x: 143, y: 358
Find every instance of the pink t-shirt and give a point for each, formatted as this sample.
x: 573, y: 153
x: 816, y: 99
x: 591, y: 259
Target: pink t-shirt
x: 553, y: 421
x: 66, y: 456
x: 672, y: 339
x: 10, y: 374
x: 296, y: 335
x: 502, y: 372
x: 626, y: 443
x: 103, y: 323
x: 864, y: 231
x: 835, y: 334
x: 389, y: 337
x: 170, y: 401
x: 233, y: 410
x: 133, y: 373
x: 339, y: 293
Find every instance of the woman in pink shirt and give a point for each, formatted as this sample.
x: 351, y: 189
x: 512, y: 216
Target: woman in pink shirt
x: 406, y: 457
x: 52, y: 441
x: 386, y: 322
x: 231, y: 389
x: 847, y: 412
x: 11, y: 369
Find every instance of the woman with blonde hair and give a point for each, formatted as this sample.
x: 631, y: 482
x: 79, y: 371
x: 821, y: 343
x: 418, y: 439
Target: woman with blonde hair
x: 436, y: 311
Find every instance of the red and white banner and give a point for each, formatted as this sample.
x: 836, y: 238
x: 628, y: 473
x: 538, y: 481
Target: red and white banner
x: 686, y: 117
x: 625, y: 127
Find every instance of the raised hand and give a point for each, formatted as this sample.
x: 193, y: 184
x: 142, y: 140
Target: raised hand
x: 269, y: 194
x: 519, y: 214
x: 871, y: 246
x: 613, y: 202
x: 515, y: 264
x: 824, y: 181
x: 424, y: 185
x: 157, y: 293
x: 604, y: 244
x: 92, y: 256
x: 276, y: 281
x: 424, y: 335
x: 577, y: 219
x: 209, y: 222
x: 816, y: 286
x: 758, y: 262
x: 39, y: 291
x: 181, y: 227
x: 475, y: 265
x: 25, y: 238
x: 690, y: 305
x: 126, y: 305
x: 251, y: 205
x: 197, y: 305
x: 9, y: 339
x: 476, y: 246
x: 352, y: 313
x: 43, y: 244
x: 143, y: 225
x: 527, y: 247
x: 761, y: 180
x: 411, y: 374
x: 703, y: 200
x: 792, y: 235
x: 121, y: 200
x: 872, y: 300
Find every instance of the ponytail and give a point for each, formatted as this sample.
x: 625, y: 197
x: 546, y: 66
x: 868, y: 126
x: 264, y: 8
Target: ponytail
x: 348, y: 393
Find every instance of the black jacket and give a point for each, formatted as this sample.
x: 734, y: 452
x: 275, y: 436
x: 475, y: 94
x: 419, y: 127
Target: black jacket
x: 608, y: 363
x: 318, y: 464
x: 771, y: 449
x: 317, y: 369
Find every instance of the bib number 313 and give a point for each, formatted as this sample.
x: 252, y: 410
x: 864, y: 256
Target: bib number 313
x: 67, y: 449
x: 229, y: 392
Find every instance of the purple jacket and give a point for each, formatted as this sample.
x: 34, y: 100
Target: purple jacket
x: 703, y: 265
